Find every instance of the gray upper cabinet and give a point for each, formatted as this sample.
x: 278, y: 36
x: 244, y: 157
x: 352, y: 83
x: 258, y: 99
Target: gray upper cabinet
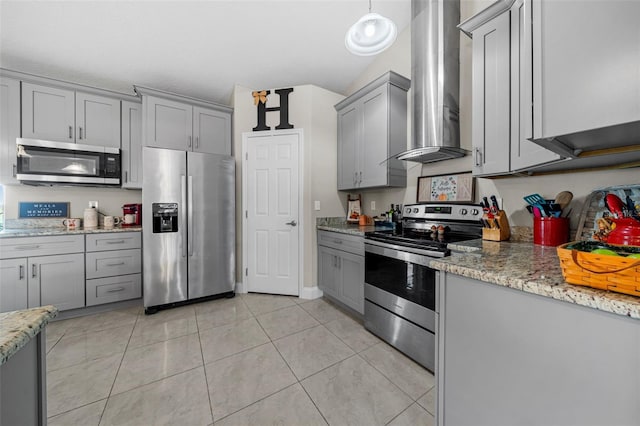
x: 131, y: 145
x: 586, y: 61
x: 175, y: 122
x: 502, y: 94
x: 65, y: 115
x: 97, y: 120
x: 9, y: 128
x: 372, y: 129
x: 211, y: 131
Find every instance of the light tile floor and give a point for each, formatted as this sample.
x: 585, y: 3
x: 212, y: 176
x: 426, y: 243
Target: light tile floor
x: 251, y: 360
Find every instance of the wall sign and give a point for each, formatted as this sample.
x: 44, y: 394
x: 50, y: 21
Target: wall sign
x: 447, y: 188
x: 42, y: 209
x: 260, y: 100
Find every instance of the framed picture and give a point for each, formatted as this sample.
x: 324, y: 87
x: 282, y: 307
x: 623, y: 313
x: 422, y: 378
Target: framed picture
x: 354, y: 208
x: 446, y: 188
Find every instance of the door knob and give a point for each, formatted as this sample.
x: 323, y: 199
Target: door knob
x: 292, y: 223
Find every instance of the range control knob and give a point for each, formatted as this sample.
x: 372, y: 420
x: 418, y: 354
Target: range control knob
x: 463, y: 212
x: 416, y: 210
x: 408, y: 210
x: 475, y: 212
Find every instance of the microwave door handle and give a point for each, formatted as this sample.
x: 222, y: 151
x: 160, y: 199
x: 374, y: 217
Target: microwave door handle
x: 190, y: 223
x: 183, y: 234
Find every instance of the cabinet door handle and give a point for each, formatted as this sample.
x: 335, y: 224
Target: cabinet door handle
x: 70, y: 132
x: 478, y: 157
x: 115, y: 264
x: 197, y: 141
x: 31, y: 247
x: 189, y: 141
x: 126, y: 177
x: 115, y: 290
x: 80, y: 133
x: 34, y: 270
x: 14, y: 171
x: 21, y: 272
x: 115, y: 242
x: 360, y: 181
x: 355, y: 178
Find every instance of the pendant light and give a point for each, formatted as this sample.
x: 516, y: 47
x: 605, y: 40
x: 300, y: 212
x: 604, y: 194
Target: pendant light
x: 372, y: 34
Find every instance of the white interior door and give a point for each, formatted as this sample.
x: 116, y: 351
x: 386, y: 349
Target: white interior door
x: 272, y: 219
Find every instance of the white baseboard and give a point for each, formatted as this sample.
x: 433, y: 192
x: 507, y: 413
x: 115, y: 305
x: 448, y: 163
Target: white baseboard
x: 240, y: 287
x: 310, y: 293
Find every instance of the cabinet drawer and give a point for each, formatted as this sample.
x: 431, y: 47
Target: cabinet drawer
x: 110, y: 263
x: 113, y: 241
x: 113, y: 289
x: 40, y: 246
x: 350, y: 243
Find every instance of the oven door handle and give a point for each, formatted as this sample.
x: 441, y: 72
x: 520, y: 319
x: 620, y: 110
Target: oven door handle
x: 406, y: 254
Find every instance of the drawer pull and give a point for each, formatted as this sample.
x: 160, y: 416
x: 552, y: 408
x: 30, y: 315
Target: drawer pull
x: 116, y: 242
x: 337, y: 241
x: 32, y: 247
x: 116, y: 264
x: 115, y: 290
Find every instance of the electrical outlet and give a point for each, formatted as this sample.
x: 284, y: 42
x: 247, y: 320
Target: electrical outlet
x: 93, y: 204
x: 373, y: 205
x: 316, y: 205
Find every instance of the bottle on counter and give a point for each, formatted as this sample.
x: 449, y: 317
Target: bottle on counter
x: 390, y: 214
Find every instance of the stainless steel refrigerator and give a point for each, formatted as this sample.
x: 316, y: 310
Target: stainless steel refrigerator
x: 188, y: 226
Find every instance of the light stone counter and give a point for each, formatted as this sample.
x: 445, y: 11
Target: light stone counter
x: 37, y: 232
x: 17, y: 328
x: 532, y: 269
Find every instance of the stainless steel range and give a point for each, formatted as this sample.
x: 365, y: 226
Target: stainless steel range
x: 400, y: 289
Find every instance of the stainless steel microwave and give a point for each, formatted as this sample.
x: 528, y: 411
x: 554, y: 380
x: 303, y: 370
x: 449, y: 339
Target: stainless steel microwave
x: 48, y: 163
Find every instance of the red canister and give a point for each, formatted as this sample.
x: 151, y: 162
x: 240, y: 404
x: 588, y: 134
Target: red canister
x: 550, y: 231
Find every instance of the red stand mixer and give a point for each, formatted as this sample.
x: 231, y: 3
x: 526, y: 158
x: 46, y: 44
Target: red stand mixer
x: 132, y: 214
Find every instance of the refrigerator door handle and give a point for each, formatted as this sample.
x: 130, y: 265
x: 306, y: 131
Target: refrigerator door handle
x: 183, y: 234
x: 190, y: 221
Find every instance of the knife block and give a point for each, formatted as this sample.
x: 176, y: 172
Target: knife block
x: 498, y: 234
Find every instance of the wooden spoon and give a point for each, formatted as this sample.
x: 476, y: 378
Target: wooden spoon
x: 563, y: 199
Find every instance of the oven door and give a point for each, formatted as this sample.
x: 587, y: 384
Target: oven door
x: 404, y: 275
x: 400, y: 301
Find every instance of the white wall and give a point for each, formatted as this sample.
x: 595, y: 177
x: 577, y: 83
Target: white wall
x: 110, y: 200
x: 510, y: 189
x: 310, y: 109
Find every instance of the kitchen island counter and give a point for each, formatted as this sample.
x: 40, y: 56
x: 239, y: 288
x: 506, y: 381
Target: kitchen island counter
x: 17, y: 328
x: 533, y: 269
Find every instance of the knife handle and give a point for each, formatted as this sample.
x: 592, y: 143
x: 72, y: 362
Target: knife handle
x: 485, y: 202
x: 494, y: 202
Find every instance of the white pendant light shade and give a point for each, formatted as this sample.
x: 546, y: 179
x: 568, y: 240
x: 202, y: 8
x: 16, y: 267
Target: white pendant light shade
x: 371, y: 35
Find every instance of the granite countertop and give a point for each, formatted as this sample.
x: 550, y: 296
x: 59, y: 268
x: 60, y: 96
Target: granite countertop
x: 17, y: 328
x: 533, y: 269
x: 347, y: 228
x: 35, y: 232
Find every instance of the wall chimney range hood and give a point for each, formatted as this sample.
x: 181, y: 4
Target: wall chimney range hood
x: 435, y: 77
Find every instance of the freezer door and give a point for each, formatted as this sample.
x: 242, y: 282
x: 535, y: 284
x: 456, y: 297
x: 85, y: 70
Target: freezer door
x: 164, y: 254
x: 211, y: 199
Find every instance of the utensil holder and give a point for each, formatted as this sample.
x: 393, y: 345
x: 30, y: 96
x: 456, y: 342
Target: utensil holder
x: 499, y: 232
x: 550, y: 231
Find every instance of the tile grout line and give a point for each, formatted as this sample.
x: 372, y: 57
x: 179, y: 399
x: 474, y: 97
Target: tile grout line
x: 118, y: 370
x: 385, y: 376
x: 204, y: 368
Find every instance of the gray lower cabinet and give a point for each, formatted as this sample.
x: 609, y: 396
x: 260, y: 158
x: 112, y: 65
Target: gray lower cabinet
x: 9, y: 128
x: 372, y: 129
x: 47, y: 270
x: 507, y: 357
x: 113, y: 267
x: 13, y: 286
x: 341, y: 268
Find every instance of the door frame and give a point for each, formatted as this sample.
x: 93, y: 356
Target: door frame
x: 244, y: 288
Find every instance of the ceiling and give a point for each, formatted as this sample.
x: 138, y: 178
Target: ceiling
x: 196, y: 48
